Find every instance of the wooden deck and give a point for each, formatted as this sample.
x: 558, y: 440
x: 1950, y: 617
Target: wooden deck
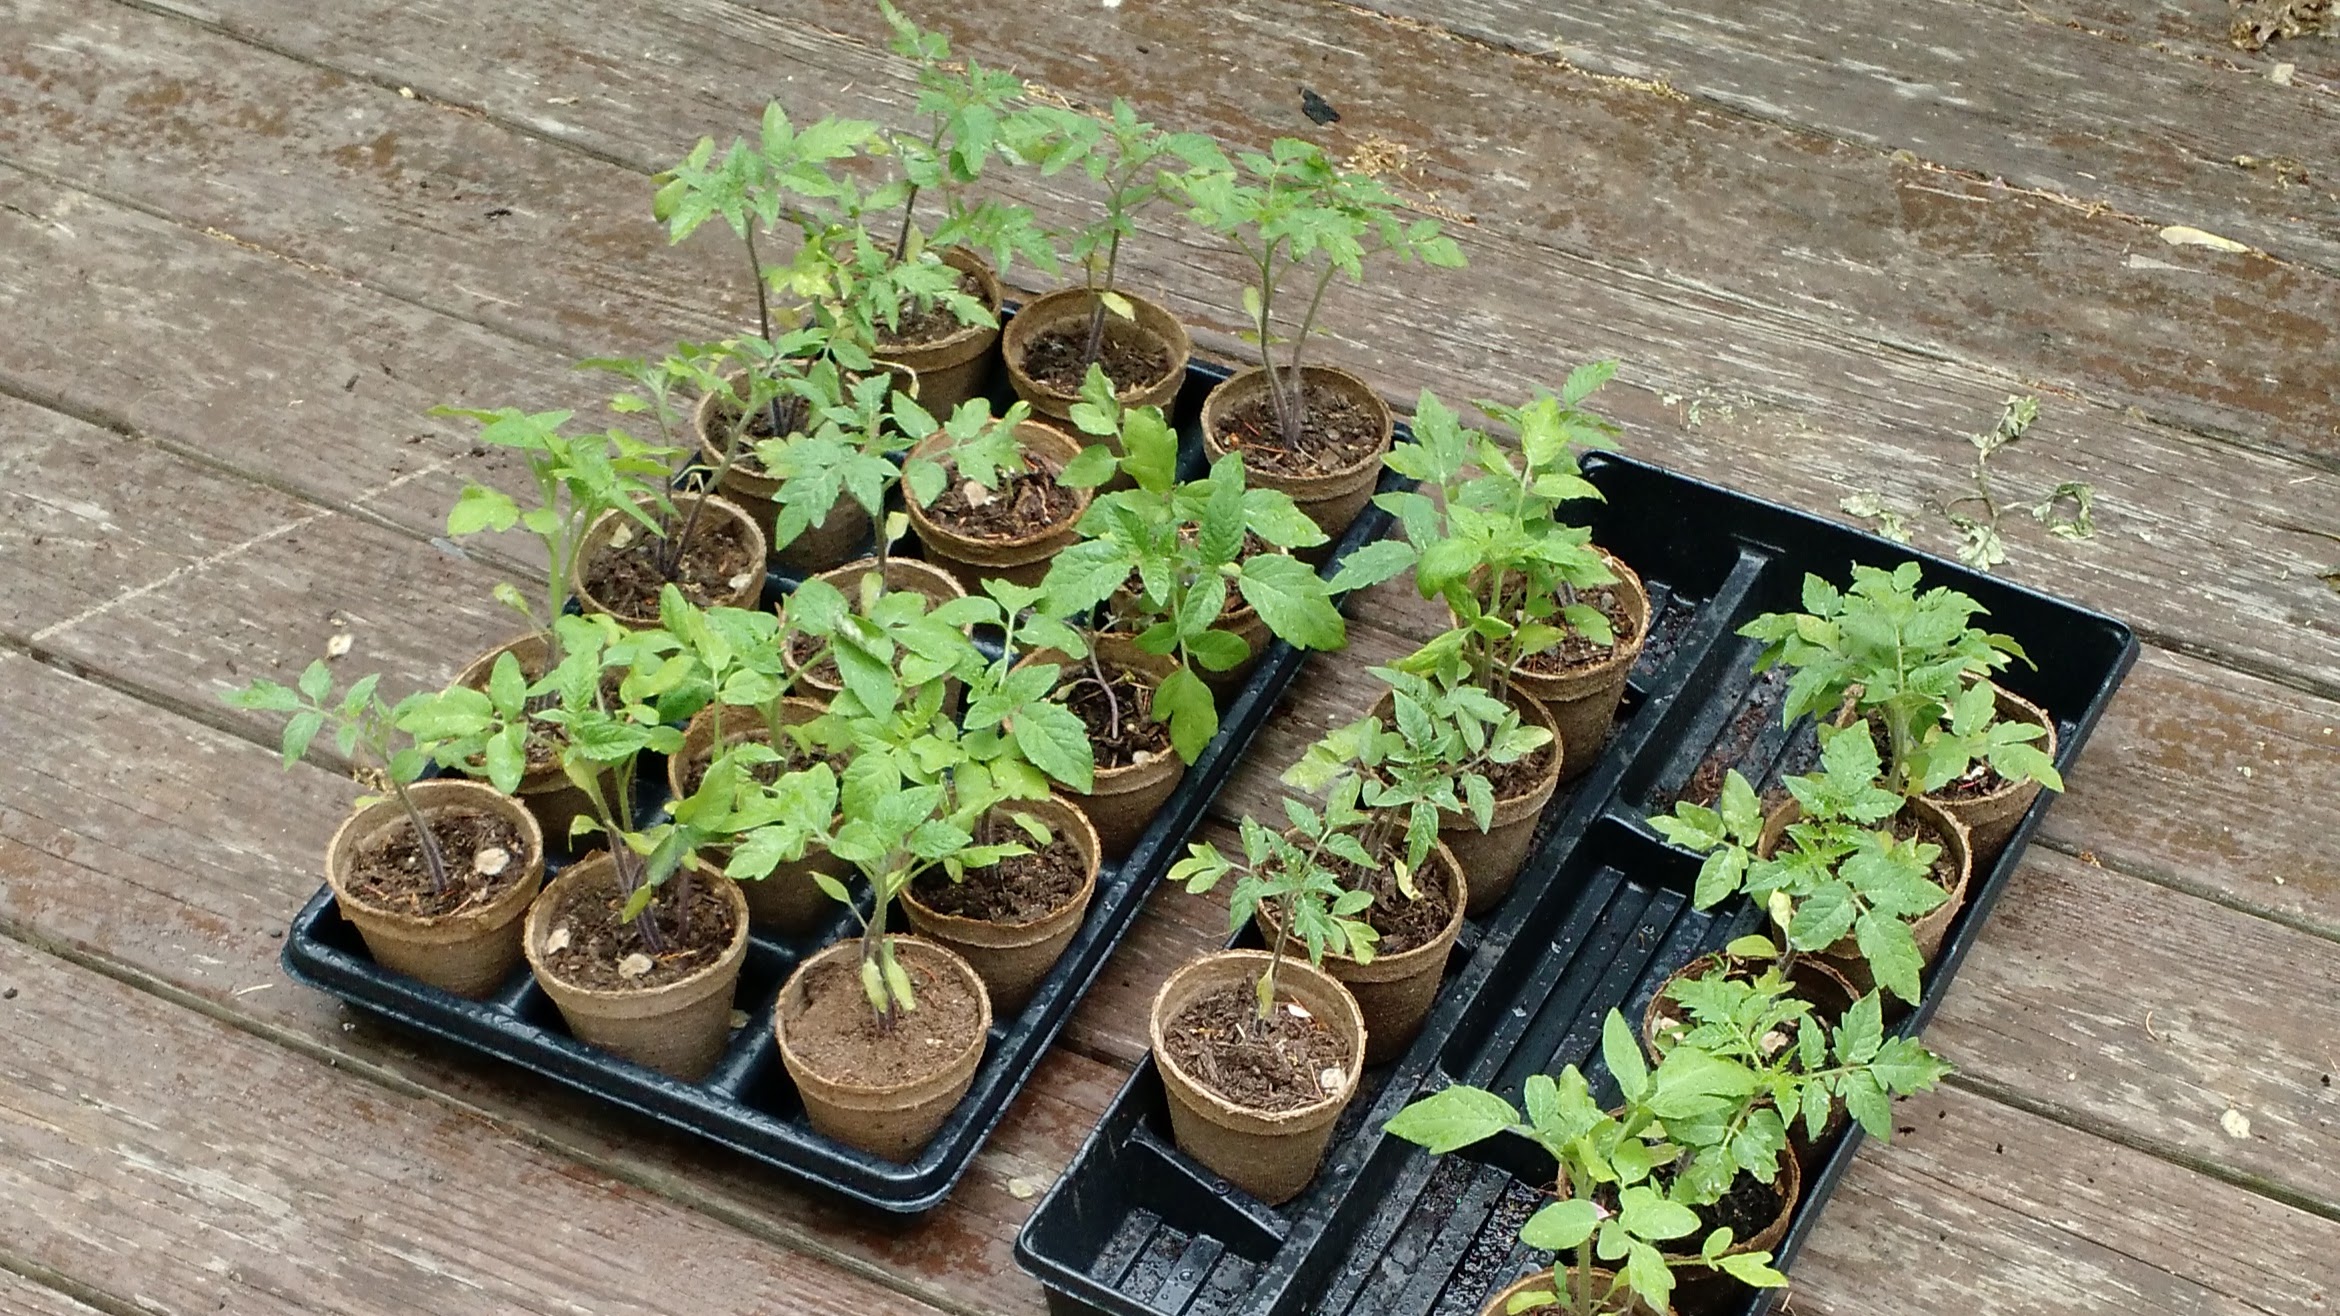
x: 244, y: 244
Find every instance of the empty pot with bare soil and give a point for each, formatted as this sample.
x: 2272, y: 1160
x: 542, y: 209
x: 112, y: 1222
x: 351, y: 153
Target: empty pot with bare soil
x: 1047, y: 349
x: 1136, y: 768
x: 1012, y: 920
x: 1011, y: 531
x: 786, y: 901
x: 655, y: 989
x: 465, y: 936
x: 1255, y: 1098
x: 706, y: 547
x: 952, y: 357
x: 1330, y: 468
x: 883, y: 1085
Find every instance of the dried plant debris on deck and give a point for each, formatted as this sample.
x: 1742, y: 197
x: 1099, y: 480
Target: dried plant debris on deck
x: 2261, y: 22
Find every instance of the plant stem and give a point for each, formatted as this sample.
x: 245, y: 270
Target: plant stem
x: 1584, y: 1273
x: 763, y: 318
x: 1112, y: 704
x: 1300, y: 345
x: 434, y: 859
x: 1095, y: 349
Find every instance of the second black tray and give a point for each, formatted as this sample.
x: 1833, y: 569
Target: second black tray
x: 1600, y: 917
x: 748, y: 1103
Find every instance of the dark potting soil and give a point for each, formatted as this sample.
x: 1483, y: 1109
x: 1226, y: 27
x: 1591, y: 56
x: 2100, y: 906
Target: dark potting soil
x: 1340, y: 432
x: 626, y: 579
x: 1747, y: 1210
x: 918, y: 327
x: 823, y: 673
x: 1132, y: 358
x: 832, y: 1028
x: 1909, y: 827
x: 1022, y: 507
x: 1577, y: 651
x: 1021, y: 888
x: 1521, y: 775
x: 1118, y: 712
x: 1273, y: 1064
x: 484, y: 854
x: 1405, y: 923
x: 600, y: 943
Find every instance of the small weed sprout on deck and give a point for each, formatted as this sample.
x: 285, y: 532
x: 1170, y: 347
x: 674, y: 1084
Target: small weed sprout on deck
x: 1836, y: 870
x: 1495, y: 545
x: 578, y: 477
x: 1288, y: 873
x: 1912, y: 663
x: 1975, y: 516
x: 1620, y: 1194
x: 1299, y: 220
x: 463, y: 726
x: 1182, y: 544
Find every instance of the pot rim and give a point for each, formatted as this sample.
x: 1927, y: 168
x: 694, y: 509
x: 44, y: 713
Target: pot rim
x: 903, y: 941
x: 1084, y: 839
x: 1053, y: 307
x: 1342, y: 379
x: 1221, y: 961
x: 576, y: 875
x: 488, y: 800
x: 717, y: 502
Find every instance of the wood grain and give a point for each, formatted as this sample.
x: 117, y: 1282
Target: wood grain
x: 23, y: 1297
x: 2199, y: 30
x: 1968, y: 86
x: 131, y: 1163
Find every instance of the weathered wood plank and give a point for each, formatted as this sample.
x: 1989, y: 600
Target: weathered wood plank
x: 2194, y: 29
x: 1840, y: 235
x: 172, y: 855
x: 1787, y: 415
x: 1971, y: 87
x: 22, y: 1297
x: 131, y: 1163
x: 1977, y: 1208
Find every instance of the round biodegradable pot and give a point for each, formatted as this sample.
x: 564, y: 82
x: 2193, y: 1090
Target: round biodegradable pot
x: 1121, y: 802
x: 1270, y: 1154
x: 1699, y: 1289
x: 1583, y: 700
x: 1815, y: 982
x: 1022, y: 557
x: 891, y: 1120
x: 938, y: 586
x: 1395, y: 992
x: 545, y: 791
x: 1333, y: 498
x: 1069, y: 310
x: 787, y: 901
x: 840, y: 535
x: 1491, y: 860
x: 741, y: 591
x: 1990, y: 819
x: 1012, y: 958
x: 468, y: 951
x: 1549, y: 1282
x: 677, y: 1028
x: 953, y: 368
x: 1930, y: 928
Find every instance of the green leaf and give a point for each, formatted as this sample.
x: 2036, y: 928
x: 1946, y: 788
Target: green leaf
x: 1453, y: 1118
x: 1094, y: 466
x: 299, y: 732
x: 1646, y: 1213
x: 1293, y: 601
x: 1561, y: 1226
x: 317, y: 681
x: 1217, y: 651
x: 1891, y: 950
x: 1371, y: 564
x: 1192, y: 712
x: 1056, y: 741
x: 1622, y: 1052
x: 1753, y: 1269
x: 507, y: 758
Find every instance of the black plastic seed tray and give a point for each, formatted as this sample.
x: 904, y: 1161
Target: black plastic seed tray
x: 1600, y: 917
x: 748, y: 1103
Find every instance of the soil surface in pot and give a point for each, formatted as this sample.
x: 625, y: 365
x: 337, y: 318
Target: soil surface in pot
x: 1118, y: 712
x: 485, y: 854
x: 1404, y: 924
x: 605, y: 952
x: 1521, y: 775
x: 626, y: 578
x: 1747, y: 1210
x: 843, y: 1040
x: 792, y: 412
x: 932, y: 324
x: 1133, y: 358
x: 1906, y: 827
x: 1340, y: 432
x: 1022, y: 888
x: 1023, y: 506
x: 1576, y: 651
x: 1273, y: 1065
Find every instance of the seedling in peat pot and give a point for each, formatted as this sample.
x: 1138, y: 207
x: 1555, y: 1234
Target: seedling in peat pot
x: 1621, y: 1199
x: 1913, y: 664
x: 578, y: 478
x: 1494, y: 544
x: 1289, y: 872
x: 1163, y: 558
x: 1299, y: 220
x: 1836, y: 871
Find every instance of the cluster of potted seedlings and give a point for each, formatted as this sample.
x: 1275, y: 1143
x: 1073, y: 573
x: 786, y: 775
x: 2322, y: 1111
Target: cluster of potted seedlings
x: 957, y: 740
